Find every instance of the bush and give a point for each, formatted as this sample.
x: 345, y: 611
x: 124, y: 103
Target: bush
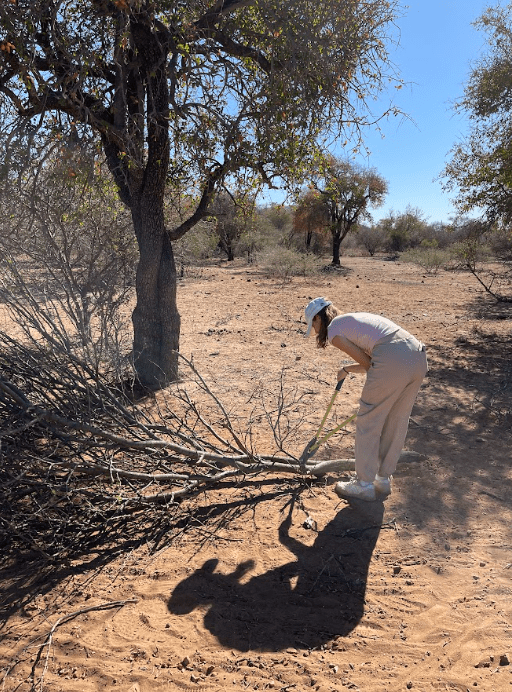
x: 468, y: 253
x: 284, y: 263
x: 501, y: 244
x: 196, y: 245
x: 428, y: 256
x: 372, y: 239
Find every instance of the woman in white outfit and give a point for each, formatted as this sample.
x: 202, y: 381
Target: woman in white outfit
x: 395, y: 363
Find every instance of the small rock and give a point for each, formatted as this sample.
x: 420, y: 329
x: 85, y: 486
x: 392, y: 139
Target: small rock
x: 483, y: 664
x: 194, y: 678
x: 185, y: 662
x: 504, y: 660
x: 409, y: 685
x: 210, y: 670
x: 397, y: 569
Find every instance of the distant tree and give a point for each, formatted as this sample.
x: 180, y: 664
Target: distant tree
x: 404, y: 229
x: 310, y: 217
x: 228, y: 223
x: 372, y: 238
x: 187, y: 94
x: 280, y: 217
x: 347, y: 191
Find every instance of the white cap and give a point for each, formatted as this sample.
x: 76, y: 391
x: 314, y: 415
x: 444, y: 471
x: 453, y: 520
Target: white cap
x: 313, y: 309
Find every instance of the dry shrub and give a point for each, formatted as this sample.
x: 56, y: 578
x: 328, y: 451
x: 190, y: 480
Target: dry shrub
x: 283, y: 263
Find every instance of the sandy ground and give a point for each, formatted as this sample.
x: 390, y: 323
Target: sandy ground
x: 301, y: 591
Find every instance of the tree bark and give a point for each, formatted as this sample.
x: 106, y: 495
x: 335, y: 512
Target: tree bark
x: 156, y: 321
x: 336, y: 244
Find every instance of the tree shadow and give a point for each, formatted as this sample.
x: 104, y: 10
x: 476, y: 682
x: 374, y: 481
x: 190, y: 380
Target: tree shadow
x: 463, y: 424
x: 303, y: 603
x: 25, y: 574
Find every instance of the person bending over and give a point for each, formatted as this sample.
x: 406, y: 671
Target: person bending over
x: 395, y: 363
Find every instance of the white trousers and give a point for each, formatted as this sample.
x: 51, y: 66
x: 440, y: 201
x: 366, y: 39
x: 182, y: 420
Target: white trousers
x: 398, y: 367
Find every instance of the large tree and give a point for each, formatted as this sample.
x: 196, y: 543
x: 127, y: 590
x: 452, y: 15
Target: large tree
x: 480, y: 169
x: 187, y: 94
x: 348, y: 192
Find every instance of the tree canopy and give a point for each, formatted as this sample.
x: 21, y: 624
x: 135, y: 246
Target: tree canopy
x: 186, y: 96
x: 480, y: 169
x: 347, y: 191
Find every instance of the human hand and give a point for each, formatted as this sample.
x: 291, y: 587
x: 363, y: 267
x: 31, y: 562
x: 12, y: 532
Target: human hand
x: 342, y: 374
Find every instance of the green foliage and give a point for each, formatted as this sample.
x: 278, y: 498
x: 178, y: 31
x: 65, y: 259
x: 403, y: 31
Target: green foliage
x: 429, y: 257
x: 469, y: 253
x: 192, y: 97
x: 201, y: 93
x: 346, y: 191
x: 427, y: 244
x: 270, y: 227
x: 480, y: 169
x: 405, y: 229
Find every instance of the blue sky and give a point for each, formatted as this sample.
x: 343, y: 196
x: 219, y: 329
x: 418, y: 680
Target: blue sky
x: 437, y: 45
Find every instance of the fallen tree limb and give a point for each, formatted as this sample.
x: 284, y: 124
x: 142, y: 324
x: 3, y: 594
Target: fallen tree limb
x: 61, y: 621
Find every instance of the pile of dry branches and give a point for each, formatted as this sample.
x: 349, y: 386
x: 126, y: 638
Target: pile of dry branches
x: 78, y: 452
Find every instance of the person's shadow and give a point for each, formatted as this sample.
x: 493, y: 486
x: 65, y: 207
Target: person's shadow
x: 267, y: 613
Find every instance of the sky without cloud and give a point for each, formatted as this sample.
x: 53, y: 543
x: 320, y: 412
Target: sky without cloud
x: 437, y: 46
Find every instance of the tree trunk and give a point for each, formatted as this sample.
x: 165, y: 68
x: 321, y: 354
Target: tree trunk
x: 336, y: 244
x: 156, y: 321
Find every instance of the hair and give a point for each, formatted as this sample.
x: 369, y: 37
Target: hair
x: 326, y: 315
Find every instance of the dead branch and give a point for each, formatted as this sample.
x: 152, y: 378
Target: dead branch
x: 61, y: 621
x: 75, y: 450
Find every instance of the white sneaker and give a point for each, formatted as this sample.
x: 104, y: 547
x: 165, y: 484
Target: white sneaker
x: 382, y: 484
x: 356, y: 488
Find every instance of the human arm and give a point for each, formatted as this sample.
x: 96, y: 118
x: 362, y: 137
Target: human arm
x: 362, y: 359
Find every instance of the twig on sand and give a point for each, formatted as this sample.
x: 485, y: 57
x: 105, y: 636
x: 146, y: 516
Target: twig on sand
x: 49, y: 636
